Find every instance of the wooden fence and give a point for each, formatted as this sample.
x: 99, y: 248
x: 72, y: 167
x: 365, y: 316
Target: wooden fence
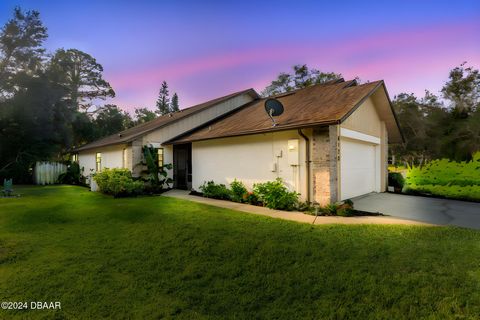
x: 47, y: 172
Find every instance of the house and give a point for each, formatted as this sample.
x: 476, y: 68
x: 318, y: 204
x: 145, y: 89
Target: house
x: 330, y: 143
x: 124, y: 150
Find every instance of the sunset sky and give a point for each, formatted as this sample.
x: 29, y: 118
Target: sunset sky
x: 206, y: 49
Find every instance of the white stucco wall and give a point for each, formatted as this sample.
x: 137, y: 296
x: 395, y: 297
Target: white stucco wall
x: 86, y: 160
x: 249, y: 159
x: 112, y: 157
x: 161, y: 135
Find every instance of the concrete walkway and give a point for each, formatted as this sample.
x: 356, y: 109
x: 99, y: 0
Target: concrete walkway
x: 424, y: 209
x: 288, y: 215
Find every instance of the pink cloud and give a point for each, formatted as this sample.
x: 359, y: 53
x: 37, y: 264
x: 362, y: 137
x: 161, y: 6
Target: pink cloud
x: 394, y: 56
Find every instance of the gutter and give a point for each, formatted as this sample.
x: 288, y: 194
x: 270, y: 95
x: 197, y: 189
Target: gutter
x: 307, y: 161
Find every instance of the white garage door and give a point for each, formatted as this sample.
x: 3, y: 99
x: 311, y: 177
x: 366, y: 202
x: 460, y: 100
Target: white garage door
x: 358, y: 168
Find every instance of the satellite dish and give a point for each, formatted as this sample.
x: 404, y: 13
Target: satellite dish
x: 274, y: 108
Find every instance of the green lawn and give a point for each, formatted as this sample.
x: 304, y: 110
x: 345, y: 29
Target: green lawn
x: 154, y: 257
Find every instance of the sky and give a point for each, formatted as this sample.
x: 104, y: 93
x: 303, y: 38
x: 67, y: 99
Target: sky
x: 207, y: 49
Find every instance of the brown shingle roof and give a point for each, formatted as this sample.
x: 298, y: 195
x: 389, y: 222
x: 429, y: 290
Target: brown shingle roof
x: 142, y: 129
x: 322, y: 104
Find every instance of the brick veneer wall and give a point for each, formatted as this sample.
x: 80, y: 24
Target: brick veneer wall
x: 324, y: 155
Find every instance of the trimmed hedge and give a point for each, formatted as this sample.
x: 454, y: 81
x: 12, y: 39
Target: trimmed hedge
x: 446, y: 178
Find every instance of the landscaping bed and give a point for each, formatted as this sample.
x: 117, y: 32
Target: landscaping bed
x: 275, y: 195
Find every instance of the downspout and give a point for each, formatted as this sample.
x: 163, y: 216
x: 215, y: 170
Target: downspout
x: 307, y: 161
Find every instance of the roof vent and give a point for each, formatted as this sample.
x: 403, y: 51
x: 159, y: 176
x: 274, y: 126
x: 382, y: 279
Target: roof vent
x: 120, y: 135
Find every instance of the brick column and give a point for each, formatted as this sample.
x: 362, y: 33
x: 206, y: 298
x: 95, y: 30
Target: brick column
x: 324, y: 164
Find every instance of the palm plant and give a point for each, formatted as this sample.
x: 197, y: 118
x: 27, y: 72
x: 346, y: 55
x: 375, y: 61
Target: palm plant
x: 155, y: 174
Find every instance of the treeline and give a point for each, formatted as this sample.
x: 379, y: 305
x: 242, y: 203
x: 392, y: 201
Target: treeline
x: 434, y: 127
x: 444, y: 126
x: 51, y: 102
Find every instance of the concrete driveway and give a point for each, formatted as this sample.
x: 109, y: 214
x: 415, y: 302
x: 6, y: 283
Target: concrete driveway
x: 430, y: 210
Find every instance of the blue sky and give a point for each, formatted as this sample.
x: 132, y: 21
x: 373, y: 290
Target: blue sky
x: 211, y: 48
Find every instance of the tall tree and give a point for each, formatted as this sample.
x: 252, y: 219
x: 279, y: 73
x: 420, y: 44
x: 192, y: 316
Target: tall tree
x: 81, y: 76
x: 301, y: 77
x: 143, y: 115
x: 174, y: 107
x: 34, y: 125
x: 420, y: 120
x: 448, y: 128
x: 110, y: 120
x: 21, y: 50
x: 462, y: 94
x: 280, y: 85
x: 163, y: 101
x: 463, y: 90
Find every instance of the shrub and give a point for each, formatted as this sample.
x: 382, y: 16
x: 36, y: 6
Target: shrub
x: 344, y: 209
x: 446, y: 178
x: 118, y: 183
x: 395, y: 179
x: 449, y: 191
x: 305, y: 206
x: 275, y: 195
x: 329, y: 209
x: 238, y: 191
x: 216, y: 191
x: 251, y: 198
x: 73, y: 175
x: 446, y: 172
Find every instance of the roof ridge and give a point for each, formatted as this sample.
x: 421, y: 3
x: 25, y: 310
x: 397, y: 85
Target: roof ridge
x: 315, y: 105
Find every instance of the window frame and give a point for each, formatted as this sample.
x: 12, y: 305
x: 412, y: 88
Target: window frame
x: 160, y: 157
x: 125, y: 157
x: 98, y: 161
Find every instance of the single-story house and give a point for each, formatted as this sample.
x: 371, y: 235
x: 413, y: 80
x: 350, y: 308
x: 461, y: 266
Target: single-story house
x: 329, y: 144
x: 124, y: 149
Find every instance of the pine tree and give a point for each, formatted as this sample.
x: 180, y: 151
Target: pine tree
x: 174, y: 104
x: 163, y: 102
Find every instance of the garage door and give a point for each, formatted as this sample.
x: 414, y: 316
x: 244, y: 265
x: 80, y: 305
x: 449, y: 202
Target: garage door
x: 357, y: 161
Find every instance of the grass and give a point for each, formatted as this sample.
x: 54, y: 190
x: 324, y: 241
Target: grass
x: 158, y: 257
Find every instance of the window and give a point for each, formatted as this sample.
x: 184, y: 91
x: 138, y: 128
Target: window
x: 75, y: 157
x: 160, y: 157
x: 98, y: 161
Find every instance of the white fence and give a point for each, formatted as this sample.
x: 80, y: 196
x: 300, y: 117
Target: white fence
x: 48, y: 172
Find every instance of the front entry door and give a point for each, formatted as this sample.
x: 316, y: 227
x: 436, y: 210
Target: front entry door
x: 182, y: 166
